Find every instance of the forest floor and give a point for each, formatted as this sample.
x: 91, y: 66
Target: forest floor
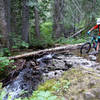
x: 70, y: 77
x: 84, y: 84
x: 81, y: 82
x: 77, y: 83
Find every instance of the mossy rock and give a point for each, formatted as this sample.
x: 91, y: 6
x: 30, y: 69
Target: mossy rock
x: 80, y: 81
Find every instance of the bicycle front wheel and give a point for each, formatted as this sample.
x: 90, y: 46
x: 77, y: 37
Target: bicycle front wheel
x: 85, y: 48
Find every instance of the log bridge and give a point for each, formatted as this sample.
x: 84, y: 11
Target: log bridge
x: 50, y: 50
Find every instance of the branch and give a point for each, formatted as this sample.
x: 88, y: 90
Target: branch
x: 77, y: 33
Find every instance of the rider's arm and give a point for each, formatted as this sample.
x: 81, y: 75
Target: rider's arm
x: 95, y: 27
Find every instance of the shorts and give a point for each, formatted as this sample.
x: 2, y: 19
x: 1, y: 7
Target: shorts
x: 99, y: 39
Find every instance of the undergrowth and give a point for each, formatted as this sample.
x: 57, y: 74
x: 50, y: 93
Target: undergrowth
x: 50, y: 90
x: 64, y: 40
x: 4, y: 62
x: 46, y: 39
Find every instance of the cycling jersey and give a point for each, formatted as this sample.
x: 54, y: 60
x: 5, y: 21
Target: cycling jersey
x: 95, y: 27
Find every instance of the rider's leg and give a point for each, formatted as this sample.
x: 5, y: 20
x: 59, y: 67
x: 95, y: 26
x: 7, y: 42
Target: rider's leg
x: 97, y: 46
x: 97, y: 49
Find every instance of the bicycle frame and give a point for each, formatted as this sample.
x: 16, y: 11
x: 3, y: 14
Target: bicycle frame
x: 94, y: 42
x: 85, y: 48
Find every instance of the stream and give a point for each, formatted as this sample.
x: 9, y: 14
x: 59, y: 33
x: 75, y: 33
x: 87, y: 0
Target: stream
x: 47, y: 67
x: 87, y: 56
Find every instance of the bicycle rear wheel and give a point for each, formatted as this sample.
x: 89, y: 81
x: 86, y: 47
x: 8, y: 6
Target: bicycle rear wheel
x: 85, y: 48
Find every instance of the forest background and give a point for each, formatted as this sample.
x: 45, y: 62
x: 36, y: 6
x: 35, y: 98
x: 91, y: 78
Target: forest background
x: 44, y: 23
x: 39, y: 24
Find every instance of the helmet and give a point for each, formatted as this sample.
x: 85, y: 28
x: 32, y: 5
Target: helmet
x: 98, y: 21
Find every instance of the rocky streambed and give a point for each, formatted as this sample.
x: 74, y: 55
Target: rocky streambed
x: 36, y: 71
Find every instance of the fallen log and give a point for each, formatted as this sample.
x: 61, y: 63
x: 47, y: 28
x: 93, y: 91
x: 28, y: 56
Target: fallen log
x: 52, y: 50
x: 79, y: 32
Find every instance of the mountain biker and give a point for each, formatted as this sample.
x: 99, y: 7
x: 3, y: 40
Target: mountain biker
x: 95, y: 27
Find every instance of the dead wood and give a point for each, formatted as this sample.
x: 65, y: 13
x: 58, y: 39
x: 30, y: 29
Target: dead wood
x: 79, y: 32
x: 52, y: 50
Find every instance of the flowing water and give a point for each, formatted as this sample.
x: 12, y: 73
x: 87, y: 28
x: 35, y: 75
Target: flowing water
x: 87, y: 56
x: 28, y: 79
x: 24, y: 84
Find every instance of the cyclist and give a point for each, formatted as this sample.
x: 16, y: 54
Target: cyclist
x: 95, y: 27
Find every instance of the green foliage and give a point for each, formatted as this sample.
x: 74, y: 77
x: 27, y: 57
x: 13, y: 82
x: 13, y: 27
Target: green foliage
x: 46, y: 32
x: 47, y: 86
x: 63, y: 40
x: 18, y: 42
x: 0, y: 86
x: 37, y: 95
x: 1, y: 36
x: 1, y: 53
x: 32, y: 3
x: 43, y: 7
x: 43, y: 95
x: 4, y: 61
x: 0, y: 89
x: 48, y: 91
x: 21, y: 44
x: 61, y: 85
x: 5, y: 52
x: 2, y: 94
x: 75, y: 15
x: 45, y: 39
x: 57, y: 86
x: 46, y: 28
x: 75, y: 41
x: 81, y: 24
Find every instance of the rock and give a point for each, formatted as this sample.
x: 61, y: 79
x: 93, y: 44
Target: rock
x: 96, y: 92
x: 89, y: 96
x: 80, y: 61
x: 98, y: 68
x: 74, y: 98
x: 68, y: 64
x: 60, y: 56
x: 92, y: 83
x: 93, y: 53
x: 92, y: 57
x: 57, y: 64
x: 53, y: 74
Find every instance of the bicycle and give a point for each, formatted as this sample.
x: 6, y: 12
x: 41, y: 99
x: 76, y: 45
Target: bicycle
x: 86, y: 47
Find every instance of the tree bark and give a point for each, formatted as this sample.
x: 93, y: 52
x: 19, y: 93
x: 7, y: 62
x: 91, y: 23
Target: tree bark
x: 37, y: 27
x: 8, y: 14
x: 8, y: 18
x: 14, y: 21
x: 25, y: 21
x: 3, y: 25
x: 58, y: 26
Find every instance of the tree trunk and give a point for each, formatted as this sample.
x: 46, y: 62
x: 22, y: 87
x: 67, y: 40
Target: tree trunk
x: 14, y: 21
x: 8, y: 14
x: 25, y: 21
x: 37, y: 28
x: 3, y: 26
x: 8, y: 18
x: 58, y: 18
